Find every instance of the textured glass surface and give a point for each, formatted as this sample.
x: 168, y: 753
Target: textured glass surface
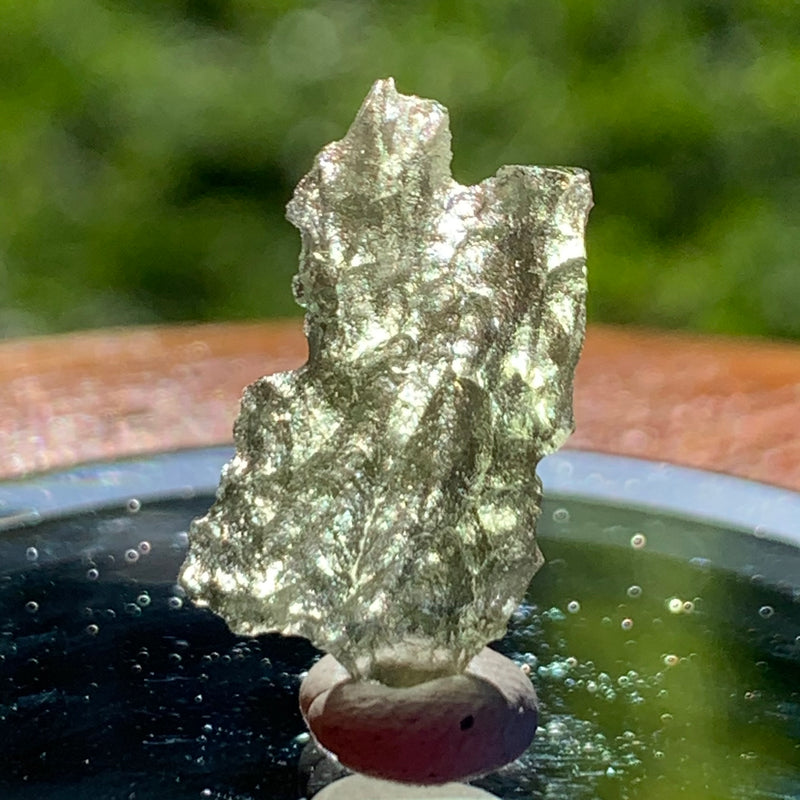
x: 384, y: 496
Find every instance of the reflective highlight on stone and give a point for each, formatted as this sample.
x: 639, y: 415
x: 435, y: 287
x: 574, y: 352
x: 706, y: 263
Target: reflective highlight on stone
x: 384, y: 496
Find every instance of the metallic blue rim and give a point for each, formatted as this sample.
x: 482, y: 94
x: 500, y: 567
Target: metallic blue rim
x: 722, y: 500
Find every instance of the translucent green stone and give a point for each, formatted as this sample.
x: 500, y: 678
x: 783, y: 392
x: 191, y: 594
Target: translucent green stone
x: 383, y: 497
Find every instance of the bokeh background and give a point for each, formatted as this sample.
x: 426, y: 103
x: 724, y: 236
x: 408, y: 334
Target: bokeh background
x: 148, y: 147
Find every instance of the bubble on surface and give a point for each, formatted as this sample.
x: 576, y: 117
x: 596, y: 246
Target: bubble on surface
x: 561, y: 515
x: 143, y: 600
x: 674, y: 605
x: 175, y: 603
x: 530, y: 660
x: 132, y: 609
x: 573, y: 606
x: 144, y: 547
x: 671, y: 660
x: 92, y: 574
x: 31, y: 606
x: 638, y: 541
x: 133, y: 505
x: 131, y: 555
x: 31, y: 554
x: 634, y: 591
x: 765, y: 612
x: 556, y: 670
x: 626, y: 624
x: 688, y: 607
x: 92, y: 629
x: 555, y: 729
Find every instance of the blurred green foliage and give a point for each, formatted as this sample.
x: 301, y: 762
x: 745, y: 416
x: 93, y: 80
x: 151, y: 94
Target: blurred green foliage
x: 148, y: 147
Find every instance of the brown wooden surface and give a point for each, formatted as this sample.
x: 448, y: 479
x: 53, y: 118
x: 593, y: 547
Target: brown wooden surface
x: 722, y: 404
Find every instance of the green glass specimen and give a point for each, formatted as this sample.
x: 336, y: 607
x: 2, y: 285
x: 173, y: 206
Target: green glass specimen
x: 383, y: 497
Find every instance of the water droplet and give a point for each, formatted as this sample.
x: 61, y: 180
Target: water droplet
x: 133, y: 505
x: 31, y: 554
x: 766, y: 612
x: 634, y: 591
x: 131, y: 556
x: 144, y: 547
x: 626, y: 624
x: 561, y: 515
x: 31, y: 606
x: 638, y: 541
x: 573, y: 606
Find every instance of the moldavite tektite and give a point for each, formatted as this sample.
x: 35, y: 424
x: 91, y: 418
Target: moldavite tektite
x: 384, y: 495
